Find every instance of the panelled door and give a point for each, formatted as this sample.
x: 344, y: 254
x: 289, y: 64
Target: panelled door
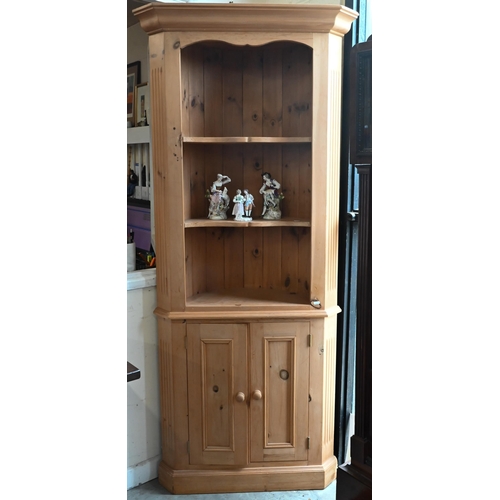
x: 279, y: 381
x: 217, y: 387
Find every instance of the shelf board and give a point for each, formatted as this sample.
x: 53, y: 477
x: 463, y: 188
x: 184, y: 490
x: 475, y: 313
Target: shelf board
x: 139, y: 135
x: 249, y: 299
x: 243, y: 140
x: 285, y: 221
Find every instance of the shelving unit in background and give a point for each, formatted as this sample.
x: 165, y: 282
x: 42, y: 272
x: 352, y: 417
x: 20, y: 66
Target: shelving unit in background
x: 140, y: 206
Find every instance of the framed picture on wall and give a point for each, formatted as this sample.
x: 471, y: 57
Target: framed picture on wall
x: 141, y: 99
x: 133, y: 79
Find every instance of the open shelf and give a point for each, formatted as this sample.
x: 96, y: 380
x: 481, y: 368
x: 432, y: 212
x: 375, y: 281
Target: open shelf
x: 249, y: 298
x: 242, y: 140
x: 284, y: 222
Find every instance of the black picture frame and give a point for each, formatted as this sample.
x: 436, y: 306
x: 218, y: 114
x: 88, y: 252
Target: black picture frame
x: 361, y: 104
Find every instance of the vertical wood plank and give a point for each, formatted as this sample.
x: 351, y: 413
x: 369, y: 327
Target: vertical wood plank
x: 304, y: 270
x: 290, y: 185
x: 304, y: 211
x: 194, y: 163
x: 232, y: 92
x: 253, y: 164
x: 196, y: 261
x: 233, y: 242
x: 297, y: 90
x: 252, y: 92
x: 195, y: 96
x: 272, y: 99
x: 271, y: 258
x: 215, y: 257
x: 290, y: 244
x: 234, y: 262
x: 212, y: 84
x: 252, y: 257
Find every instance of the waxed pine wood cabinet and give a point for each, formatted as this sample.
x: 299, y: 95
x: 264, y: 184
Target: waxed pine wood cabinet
x: 246, y: 310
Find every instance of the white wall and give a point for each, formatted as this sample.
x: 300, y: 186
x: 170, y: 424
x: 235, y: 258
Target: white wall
x: 143, y: 395
x: 137, y: 49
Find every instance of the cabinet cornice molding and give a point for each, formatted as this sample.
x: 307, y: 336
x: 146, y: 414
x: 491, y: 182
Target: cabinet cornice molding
x: 296, y: 18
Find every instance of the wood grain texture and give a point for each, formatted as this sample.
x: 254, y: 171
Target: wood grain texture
x: 242, y: 90
x: 246, y: 18
x: 278, y: 478
x: 216, y: 373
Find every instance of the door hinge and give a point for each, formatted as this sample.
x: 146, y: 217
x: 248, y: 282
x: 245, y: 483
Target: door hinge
x: 308, y: 439
x: 309, y: 340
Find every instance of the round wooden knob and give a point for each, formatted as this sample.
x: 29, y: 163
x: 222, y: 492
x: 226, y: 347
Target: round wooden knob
x: 240, y: 397
x: 257, y: 394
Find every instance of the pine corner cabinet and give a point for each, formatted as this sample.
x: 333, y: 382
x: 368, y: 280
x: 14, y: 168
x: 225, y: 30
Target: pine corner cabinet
x: 246, y: 311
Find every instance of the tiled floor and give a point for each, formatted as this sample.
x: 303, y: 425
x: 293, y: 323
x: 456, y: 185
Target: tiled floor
x: 152, y: 490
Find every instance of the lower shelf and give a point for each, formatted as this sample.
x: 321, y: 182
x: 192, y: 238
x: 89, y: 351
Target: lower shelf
x: 307, y: 477
x: 249, y: 298
x: 248, y: 303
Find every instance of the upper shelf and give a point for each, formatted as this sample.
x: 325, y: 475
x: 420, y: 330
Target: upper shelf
x: 232, y: 140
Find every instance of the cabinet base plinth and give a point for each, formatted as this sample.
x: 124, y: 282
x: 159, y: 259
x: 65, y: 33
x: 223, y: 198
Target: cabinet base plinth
x: 307, y: 477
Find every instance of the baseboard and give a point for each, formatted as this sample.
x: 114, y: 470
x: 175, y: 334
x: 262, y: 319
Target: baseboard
x: 143, y: 472
x: 286, y: 478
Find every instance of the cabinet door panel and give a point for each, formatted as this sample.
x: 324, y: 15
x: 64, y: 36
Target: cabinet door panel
x: 217, y: 372
x: 280, y: 372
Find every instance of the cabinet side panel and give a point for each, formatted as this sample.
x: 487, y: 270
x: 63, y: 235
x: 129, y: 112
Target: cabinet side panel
x: 322, y: 389
x: 332, y: 212
x: 172, y: 193
x: 252, y: 92
x: 326, y: 157
x: 330, y: 346
x: 172, y: 362
x: 272, y: 98
x: 159, y: 153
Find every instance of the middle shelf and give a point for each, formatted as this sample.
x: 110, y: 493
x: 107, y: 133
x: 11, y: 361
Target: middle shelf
x: 243, y: 140
x: 284, y: 222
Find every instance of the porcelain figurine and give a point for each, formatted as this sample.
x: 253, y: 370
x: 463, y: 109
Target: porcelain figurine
x: 238, y: 201
x: 218, y: 198
x: 271, y: 197
x: 248, y: 204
